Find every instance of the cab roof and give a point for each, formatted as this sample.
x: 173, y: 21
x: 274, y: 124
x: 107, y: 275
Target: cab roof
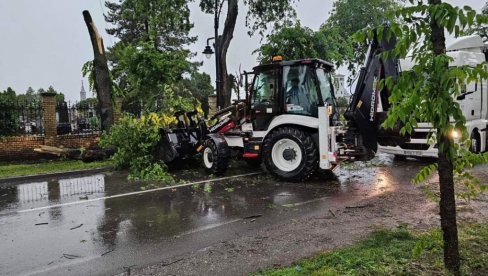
x: 308, y: 61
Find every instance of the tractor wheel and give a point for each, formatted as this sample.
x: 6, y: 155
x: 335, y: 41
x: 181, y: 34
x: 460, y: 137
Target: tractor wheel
x: 290, y: 154
x: 213, y: 161
x: 475, y: 142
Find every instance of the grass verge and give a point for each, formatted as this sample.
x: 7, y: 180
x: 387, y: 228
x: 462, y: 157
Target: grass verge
x: 397, y: 252
x: 7, y: 171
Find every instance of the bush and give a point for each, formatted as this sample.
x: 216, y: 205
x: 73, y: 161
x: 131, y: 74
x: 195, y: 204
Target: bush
x: 136, y: 141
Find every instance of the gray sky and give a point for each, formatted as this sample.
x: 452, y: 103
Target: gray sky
x: 46, y: 42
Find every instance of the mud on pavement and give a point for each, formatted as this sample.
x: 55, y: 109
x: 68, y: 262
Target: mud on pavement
x: 390, y: 201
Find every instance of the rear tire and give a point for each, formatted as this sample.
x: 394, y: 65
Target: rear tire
x: 213, y: 160
x: 475, y: 142
x: 290, y: 154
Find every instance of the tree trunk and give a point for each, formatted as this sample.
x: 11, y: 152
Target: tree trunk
x: 227, y: 35
x: 102, y: 82
x: 447, y: 205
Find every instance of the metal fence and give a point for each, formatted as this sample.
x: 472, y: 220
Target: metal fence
x: 77, y: 118
x: 21, y: 118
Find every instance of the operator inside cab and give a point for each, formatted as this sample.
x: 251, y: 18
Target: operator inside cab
x: 299, y: 91
x: 297, y: 97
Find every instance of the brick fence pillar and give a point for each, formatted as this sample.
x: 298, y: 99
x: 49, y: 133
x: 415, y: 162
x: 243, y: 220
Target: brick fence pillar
x: 49, y: 118
x: 212, y: 105
x: 117, y: 109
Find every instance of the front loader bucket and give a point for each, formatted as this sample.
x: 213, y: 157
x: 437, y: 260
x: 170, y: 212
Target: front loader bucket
x: 166, y: 150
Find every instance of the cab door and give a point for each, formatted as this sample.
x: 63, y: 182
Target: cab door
x: 265, y: 101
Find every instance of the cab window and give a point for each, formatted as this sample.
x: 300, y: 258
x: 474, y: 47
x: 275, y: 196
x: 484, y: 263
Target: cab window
x: 300, y: 89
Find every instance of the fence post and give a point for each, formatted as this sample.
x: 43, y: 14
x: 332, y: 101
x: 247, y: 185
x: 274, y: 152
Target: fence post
x: 49, y: 118
x: 117, y: 109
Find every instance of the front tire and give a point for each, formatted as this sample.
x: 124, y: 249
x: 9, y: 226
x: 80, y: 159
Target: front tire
x: 290, y: 154
x: 214, y: 161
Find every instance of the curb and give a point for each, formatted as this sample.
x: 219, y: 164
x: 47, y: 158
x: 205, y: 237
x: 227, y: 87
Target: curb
x: 12, y: 181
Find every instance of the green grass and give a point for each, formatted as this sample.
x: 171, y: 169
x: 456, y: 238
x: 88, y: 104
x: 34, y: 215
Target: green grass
x: 49, y: 167
x: 397, y: 252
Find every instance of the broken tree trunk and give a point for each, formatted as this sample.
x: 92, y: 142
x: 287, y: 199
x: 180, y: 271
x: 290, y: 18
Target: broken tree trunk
x: 88, y: 155
x: 102, y: 82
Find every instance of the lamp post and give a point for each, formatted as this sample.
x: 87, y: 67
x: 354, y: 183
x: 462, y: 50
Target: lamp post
x: 208, y: 53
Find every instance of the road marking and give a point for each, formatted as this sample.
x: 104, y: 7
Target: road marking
x: 208, y: 227
x: 291, y: 205
x: 136, y: 193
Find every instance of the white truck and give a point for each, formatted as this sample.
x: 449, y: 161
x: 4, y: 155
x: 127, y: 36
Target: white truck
x: 465, y: 51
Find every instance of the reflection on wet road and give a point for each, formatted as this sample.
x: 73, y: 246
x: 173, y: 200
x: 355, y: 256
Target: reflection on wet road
x: 103, y: 224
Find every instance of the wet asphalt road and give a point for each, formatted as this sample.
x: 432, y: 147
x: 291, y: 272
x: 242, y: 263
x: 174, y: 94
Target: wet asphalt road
x: 103, y: 225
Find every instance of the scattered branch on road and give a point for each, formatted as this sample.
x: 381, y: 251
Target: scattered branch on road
x: 110, y: 251
x: 253, y: 216
x: 332, y: 213
x: 42, y: 223
x: 173, y: 262
x: 76, y: 227
x: 69, y: 256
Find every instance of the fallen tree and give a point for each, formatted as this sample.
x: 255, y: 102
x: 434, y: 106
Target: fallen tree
x: 88, y: 155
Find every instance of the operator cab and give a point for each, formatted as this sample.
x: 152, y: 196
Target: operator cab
x: 291, y: 87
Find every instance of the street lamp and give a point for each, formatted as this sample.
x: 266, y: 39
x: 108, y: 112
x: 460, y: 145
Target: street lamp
x: 208, y: 53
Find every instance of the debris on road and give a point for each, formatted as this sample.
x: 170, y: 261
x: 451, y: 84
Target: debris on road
x: 110, y: 251
x: 70, y: 257
x: 253, y: 216
x: 76, y: 227
x: 332, y: 213
x: 42, y: 223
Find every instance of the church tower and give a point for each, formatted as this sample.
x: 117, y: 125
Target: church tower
x: 82, y: 92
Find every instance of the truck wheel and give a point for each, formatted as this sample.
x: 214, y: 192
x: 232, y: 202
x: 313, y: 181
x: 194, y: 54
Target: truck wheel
x: 290, y: 154
x: 475, y: 142
x: 213, y: 161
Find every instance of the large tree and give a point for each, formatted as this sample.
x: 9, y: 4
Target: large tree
x: 426, y: 93
x: 261, y: 15
x: 164, y: 23
x: 152, y: 50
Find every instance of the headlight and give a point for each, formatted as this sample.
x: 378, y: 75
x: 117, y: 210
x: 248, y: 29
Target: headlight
x: 455, y: 134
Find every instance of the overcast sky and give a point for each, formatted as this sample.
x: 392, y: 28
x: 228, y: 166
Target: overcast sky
x: 46, y: 42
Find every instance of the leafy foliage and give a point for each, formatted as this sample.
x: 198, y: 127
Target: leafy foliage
x: 136, y: 140
x: 8, y: 120
x: 480, y: 28
x: 261, y: 13
x: 164, y: 23
x: 146, y: 71
x: 151, y: 52
x: 351, y: 16
x: 426, y: 93
x: 87, y: 71
x: 299, y: 42
x: 200, y: 87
